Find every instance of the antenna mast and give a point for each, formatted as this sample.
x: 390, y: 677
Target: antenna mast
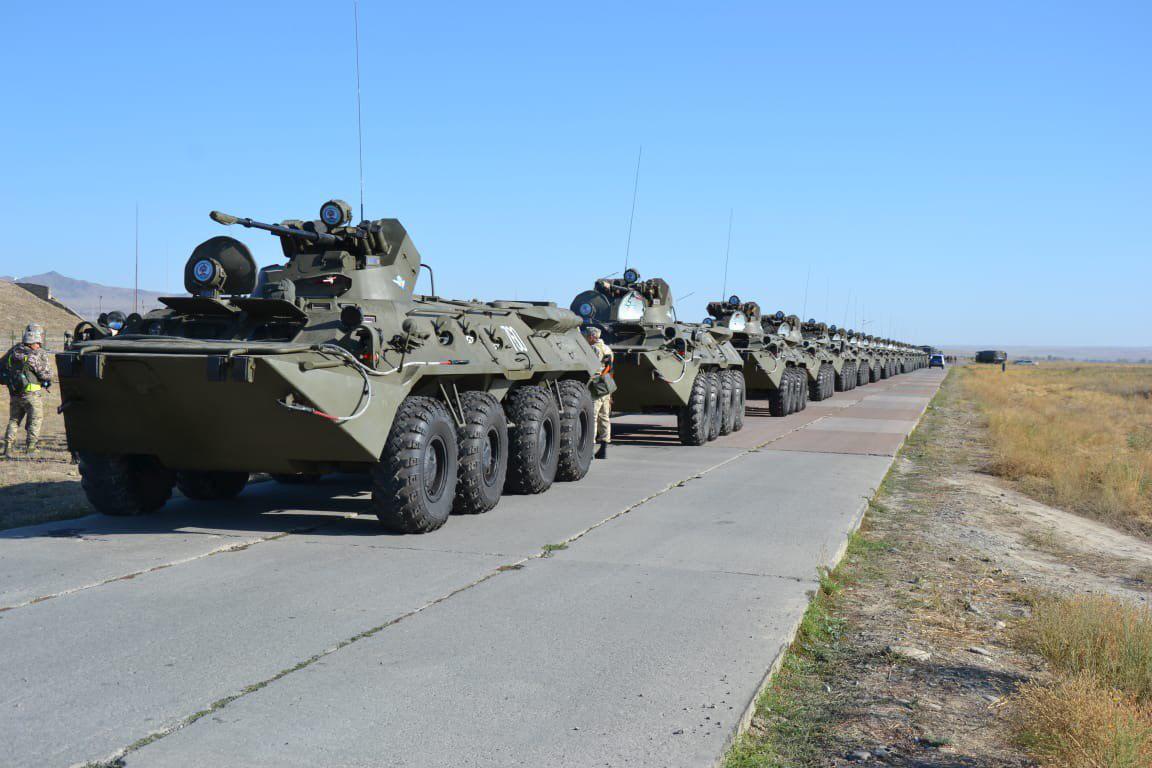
x: 136, y: 284
x: 632, y: 216
x: 804, y: 311
x: 359, y: 121
x: 727, y: 251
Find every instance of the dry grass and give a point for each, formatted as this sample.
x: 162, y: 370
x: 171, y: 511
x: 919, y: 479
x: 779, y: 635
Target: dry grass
x: 1098, y: 711
x: 1102, y: 636
x: 44, y: 488
x: 1077, y: 723
x: 1075, y: 436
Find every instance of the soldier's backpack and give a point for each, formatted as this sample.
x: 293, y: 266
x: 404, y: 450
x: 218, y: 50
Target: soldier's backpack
x: 14, y: 371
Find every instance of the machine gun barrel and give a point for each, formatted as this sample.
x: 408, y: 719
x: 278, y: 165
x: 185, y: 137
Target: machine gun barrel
x: 278, y: 229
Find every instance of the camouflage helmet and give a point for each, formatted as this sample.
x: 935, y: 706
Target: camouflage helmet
x: 34, y: 334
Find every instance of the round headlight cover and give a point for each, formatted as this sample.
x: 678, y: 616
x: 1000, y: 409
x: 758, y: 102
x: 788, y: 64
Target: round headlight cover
x: 586, y: 309
x: 631, y: 276
x: 335, y: 213
x: 733, y: 300
x: 204, y: 270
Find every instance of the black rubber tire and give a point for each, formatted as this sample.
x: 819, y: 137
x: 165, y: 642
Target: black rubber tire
x: 125, y: 486
x: 577, y: 431
x: 482, y: 451
x: 861, y: 374
x: 885, y: 371
x: 874, y: 374
x: 829, y: 373
x: 816, y: 389
x: 414, y: 483
x: 780, y: 399
x: 727, y: 406
x: 715, y: 414
x: 299, y: 478
x: 739, y: 398
x: 533, y: 439
x: 211, y: 486
x: 845, y: 378
x: 692, y: 419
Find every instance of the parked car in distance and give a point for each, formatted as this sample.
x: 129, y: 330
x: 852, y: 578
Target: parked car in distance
x: 1024, y: 362
x: 936, y: 361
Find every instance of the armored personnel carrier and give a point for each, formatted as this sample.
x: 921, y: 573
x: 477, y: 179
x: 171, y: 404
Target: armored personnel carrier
x: 843, y: 359
x: 765, y: 358
x: 662, y: 364
x: 783, y: 338
x: 821, y: 366
x: 329, y: 362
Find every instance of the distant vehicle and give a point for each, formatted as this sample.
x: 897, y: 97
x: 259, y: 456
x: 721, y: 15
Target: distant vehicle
x: 936, y: 361
x: 994, y: 356
x: 1024, y: 362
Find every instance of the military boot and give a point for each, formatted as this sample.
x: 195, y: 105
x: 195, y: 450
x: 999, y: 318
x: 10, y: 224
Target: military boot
x: 31, y: 449
x: 602, y: 451
x: 4, y: 454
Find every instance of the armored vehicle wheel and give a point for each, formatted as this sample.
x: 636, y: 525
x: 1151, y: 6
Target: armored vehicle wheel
x: 727, y: 405
x: 791, y: 384
x: 739, y: 399
x: 780, y: 399
x: 692, y: 419
x: 845, y: 378
x: 715, y: 405
x: 211, y: 486
x: 829, y: 380
x: 300, y: 478
x: 798, y: 394
x: 861, y: 374
x: 577, y: 431
x: 885, y: 371
x: 125, y: 486
x: 816, y: 393
x: 874, y: 374
x: 533, y: 439
x: 483, y: 454
x: 414, y: 483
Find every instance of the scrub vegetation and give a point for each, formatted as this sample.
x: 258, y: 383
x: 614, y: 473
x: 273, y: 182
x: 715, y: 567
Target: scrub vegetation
x: 1097, y: 709
x: 1075, y: 436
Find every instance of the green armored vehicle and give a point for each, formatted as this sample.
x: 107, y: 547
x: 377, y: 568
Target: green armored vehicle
x: 843, y: 359
x: 822, y: 363
x: 664, y: 365
x: 766, y: 359
x: 327, y: 363
x: 783, y: 339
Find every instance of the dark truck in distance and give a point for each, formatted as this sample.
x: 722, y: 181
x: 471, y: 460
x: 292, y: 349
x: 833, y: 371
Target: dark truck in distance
x: 994, y: 356
x: 329, y: 362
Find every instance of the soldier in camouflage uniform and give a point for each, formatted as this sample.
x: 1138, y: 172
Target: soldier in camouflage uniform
x: 27, y: 370
x: 602, y: 405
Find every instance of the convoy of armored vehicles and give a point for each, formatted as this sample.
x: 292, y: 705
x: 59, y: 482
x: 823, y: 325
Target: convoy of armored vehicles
x: 331, y: 362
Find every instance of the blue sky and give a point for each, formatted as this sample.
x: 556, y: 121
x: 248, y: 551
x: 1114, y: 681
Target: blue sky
x: 978, y: 173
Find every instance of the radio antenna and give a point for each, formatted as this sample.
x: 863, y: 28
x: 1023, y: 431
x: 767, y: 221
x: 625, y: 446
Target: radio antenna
x: 632, y: 216
x: 804, y: 311
x: 136, y: 288
x: 359, y: 121
x: 727, y: 251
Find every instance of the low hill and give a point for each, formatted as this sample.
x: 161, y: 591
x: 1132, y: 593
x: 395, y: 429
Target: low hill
x: 18, y: 308
x: 87, y: 298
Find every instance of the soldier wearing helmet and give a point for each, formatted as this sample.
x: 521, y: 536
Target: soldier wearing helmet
x: 27, y: 371
x: 602, y: 403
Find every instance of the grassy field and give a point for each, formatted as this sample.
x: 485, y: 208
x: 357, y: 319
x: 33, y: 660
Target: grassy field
x: 1074, y: 436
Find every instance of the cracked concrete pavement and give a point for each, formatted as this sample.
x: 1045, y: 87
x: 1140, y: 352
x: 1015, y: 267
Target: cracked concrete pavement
x: 283, y: 629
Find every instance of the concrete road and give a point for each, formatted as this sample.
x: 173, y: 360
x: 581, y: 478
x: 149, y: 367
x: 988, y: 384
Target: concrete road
x: 628, y: 619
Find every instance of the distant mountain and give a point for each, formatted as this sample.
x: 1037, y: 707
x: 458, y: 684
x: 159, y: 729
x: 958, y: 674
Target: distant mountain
x: 88, y: 299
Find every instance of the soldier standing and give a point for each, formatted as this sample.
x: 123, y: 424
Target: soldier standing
x: 27, y: 371
x: 602, y: 404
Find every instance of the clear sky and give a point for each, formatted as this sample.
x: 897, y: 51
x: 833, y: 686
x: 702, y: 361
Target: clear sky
x: 977, y: 173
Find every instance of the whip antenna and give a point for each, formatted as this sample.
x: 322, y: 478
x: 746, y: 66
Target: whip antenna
x: 136, y: 285
x: 727, y: 251
x: 632, y: 216
x: 804, y: 311
x: 359, y: 122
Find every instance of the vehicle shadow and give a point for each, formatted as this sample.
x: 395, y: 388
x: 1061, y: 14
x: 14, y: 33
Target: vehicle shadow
x: 644, y: 434
x: 338, y: 505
